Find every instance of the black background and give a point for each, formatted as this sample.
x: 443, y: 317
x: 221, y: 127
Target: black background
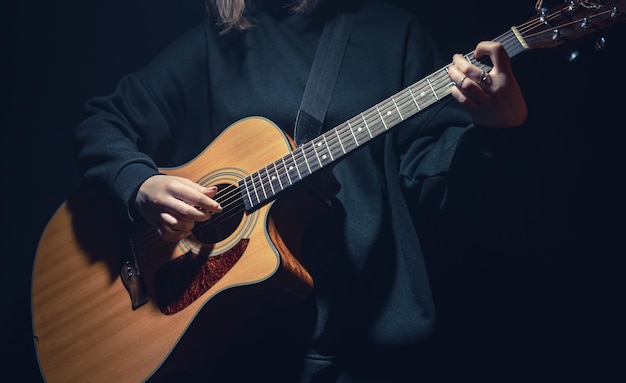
x: 549, y: 311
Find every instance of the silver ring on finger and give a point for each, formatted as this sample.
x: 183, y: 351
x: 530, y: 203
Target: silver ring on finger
x: 460, y: 83
x: 484, y: 77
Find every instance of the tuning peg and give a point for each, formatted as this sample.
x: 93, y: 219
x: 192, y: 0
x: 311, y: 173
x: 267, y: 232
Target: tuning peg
x: 542, y: 16
x: 573, y: 55
x: 599, y: 44
x: 585, y: 24
x: 573, y: 6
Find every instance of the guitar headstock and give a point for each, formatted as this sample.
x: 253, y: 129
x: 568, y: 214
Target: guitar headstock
x: 571, y: 22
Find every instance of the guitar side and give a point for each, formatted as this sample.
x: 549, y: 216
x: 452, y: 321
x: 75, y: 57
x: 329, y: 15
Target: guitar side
x: 84, y: 326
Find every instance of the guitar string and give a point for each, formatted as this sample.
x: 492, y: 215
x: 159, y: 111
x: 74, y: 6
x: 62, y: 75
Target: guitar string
x: 400, y: 101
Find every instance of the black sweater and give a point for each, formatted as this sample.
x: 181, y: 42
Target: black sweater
x: 372, y: 289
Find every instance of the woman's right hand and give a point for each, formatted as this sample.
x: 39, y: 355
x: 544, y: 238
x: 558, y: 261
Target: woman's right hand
x: 174, y: 204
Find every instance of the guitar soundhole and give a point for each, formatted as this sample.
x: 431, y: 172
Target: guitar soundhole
x: 223, y: 224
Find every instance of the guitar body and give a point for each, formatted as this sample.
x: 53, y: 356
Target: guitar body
x: 87, y: 328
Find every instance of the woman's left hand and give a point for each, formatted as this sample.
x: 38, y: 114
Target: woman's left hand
x: 492, y: 99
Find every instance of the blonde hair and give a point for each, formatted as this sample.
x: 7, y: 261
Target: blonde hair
x: 231, y: 15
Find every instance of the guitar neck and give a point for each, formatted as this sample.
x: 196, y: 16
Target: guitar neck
x: 335, y: 144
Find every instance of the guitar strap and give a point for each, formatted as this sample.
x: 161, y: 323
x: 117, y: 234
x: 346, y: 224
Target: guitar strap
x: 322, y: 77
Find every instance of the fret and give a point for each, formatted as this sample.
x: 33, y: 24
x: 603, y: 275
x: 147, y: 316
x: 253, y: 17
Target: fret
x: 323, y: 155
x: 442, y: 83
x: 247, y: 189
x: 353, y: 135
x: 425, y: 95
x: 366, y: 126
x: 253, y: 184
x: 360, y: 130
x: 406, y: 104
x: 310, y: 158
x: 343, y: 149
x: 267, y: 176
x: 278, y: 177
x: 348, y: 138
x: 335, y: 147
x: 390, y: 114
x: 432, y: 89
x: 329, y: 151
x: 273, y: 181
x: 414, y: 99
x: 294, y: 171
x: 483, y: 63
x: 297, y: 162
x: 376, y: 125
x: 262, y: 185
x: 317, y: 159
x: 286, y: 168
x: 395, y: 104
x: 315, y: 145
x: 447, y: 72
x: 306, y: 160
x: 381, y: 117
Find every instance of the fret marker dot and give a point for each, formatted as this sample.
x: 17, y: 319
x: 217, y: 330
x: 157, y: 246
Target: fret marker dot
x: 388, y: 113
x: 273, y: 177
x: 291, y: 168
x: 422, y: 94
x: 324, y: 156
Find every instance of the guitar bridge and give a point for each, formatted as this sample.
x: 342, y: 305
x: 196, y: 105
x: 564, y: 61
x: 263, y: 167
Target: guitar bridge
x: 134, y: 283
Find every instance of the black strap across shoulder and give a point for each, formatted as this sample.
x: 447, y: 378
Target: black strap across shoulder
x: 322, y: 77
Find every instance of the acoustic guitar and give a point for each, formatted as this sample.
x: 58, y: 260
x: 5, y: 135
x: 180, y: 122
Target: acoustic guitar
x: 115, y: 303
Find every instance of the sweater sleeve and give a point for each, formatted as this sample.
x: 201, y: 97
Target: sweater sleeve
x: 445, y: 162
x: 109, y: 141
x: 452, y: 164
x: 126, y: 136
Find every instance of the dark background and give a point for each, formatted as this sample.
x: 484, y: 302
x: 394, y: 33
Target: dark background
x: 549, y: 309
